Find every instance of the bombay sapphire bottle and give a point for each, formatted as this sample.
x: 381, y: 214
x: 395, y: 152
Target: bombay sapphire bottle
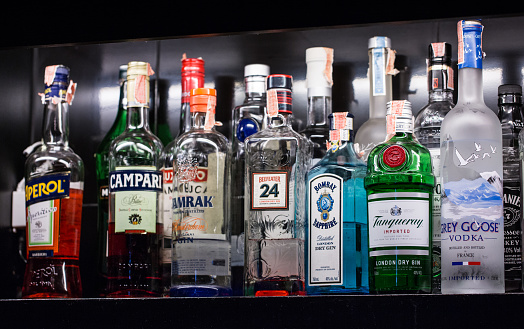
x: 399, y: 185
x: 336, y: 228
x: 427, y: 130
x: 201, y: 224
x: 319, y: 82
x: 511, y: 120
x: 472, y: 219
x: 135, y: 202
x: 276, y: 162
x: 54, y: 177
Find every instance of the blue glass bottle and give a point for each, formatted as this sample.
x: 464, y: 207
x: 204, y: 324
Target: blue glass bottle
x: 336, y: 230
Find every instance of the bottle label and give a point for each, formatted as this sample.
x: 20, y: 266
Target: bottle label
x: 399, y: 219
x: 269, y: 190
x: 394, y: 155
x: 167, y: 217
x: 43, y: 196
x: 379, y: 72
x: 512, y: 230
x: 440, y: 77
x: 136, y: 190
x: 325, y: 230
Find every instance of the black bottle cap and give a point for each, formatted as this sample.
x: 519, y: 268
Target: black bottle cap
x: 510, y: 89
x: 440, y: 52
x: 280, y: 81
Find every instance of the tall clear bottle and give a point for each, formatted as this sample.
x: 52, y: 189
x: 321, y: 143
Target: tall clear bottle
x: 54, y: 177
x: 336, y: 231
x: 427, y: 131
x: 247, y: 119
x: 276, y: 162
x: 201, y: 223
x: 319, y: 80
x: 399, y: 185
x: 192, y: 72
x: 102, y: 175
x: 380, y: 71
x: 472, y: 231
x: 135, y: 197
x: 512, y: 121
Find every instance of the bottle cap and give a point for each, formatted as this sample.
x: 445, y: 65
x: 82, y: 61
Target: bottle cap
x: 200, y: 98
x: 138, y: 83
x: 256, y: 70
x: 139, y: 68
x: 192, y: 65
x: 379, y: 42
x: 282, y: 81
x: 279, y: 95
x: 510, y: 89
x: 400, y: 108
x: 340, y: 120
x: 470, y: 53
x: 439, y: 52
x: 319, y: 76
x: 56, y: 73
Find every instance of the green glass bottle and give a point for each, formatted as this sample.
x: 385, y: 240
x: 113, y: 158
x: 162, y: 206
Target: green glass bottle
x: 399, y: 185
x: 102, y: 175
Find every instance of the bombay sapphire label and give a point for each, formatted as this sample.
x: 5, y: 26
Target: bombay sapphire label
x: 325, y: 230
x: 136, y: 190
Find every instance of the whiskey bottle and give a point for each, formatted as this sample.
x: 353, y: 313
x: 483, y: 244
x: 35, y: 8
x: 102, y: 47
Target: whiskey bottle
x: 201, y: 223
x: 381, y: 68
x: 54, y: 177
x: 319, y: 82
x: 511, y: 120
x: 135, y: 197
x: 472, y: 231
x: 102, y: 174
x: 276, y: 162
x: 399, y: 185
x: 247, y: 119
x: 336, y: 231
x: 427, y: 130
x: 192, y: 73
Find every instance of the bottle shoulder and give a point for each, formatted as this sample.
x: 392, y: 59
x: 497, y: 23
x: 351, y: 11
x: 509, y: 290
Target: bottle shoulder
x: 432, y: 114
x: 47, y: 160
x: 466, y: 121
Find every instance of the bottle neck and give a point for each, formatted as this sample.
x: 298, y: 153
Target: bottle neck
x: 55, y: 128
x: 255, y: 88
x: 198, y: 120
x: 470, y: 86
x: 380, y: 84
x: 137, y: 118
x: 440, y: 96
x: 319, y: 108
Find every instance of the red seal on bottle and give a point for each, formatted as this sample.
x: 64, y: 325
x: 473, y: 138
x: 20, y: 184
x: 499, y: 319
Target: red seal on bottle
x: 394, y: 156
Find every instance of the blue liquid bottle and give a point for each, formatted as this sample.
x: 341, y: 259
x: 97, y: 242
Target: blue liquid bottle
x: 336, y: 230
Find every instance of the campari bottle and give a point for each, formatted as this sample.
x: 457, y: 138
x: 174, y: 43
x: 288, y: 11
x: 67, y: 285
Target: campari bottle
x: 54, y: 177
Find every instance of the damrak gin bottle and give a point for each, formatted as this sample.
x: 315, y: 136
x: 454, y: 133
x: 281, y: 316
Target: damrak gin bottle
x: 336, y: 231
x: 380, y: 72
x: 319, y: 82
x: 511, y: 120
x: 276, y: 163
x: 427, y: 131
x: 192, y: 77
x: 399, y: 185
x: 472, y: 222
x: 102, y: 174
x: 135, y: 202
x: 201, y: 224
x: 54, y: 177
x: 247, y: 119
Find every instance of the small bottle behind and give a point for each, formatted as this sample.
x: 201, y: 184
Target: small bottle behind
x: 102, y: 175
x: 399, y: 185
x: 54, y: 177
x: 472, y: 214
x: 336, y: 230
x: 319, y: 82
x: 381, y: 68
x: 511, y: 120
x: 201, y: 223
x: 276, y: 162
x: 135, y: 197
x: 427, y: 131
x: 247, y: 119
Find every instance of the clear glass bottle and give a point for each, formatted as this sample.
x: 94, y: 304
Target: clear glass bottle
x: 54, y: 177
x: 336, y: 231
x: 381, y: 60
x: 276, y: 162
x: 511, y: 120
x: 102, y: 175
x: 201, y: 223
x: 247, y: 119
x: 472, y: 231
x: 427, y: 130
x: 399, y: 185
x: 135, y: 197
x: 192, y: 72
x: 319, y: 80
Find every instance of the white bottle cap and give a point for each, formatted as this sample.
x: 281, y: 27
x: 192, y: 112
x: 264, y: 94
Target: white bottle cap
x: 379, y: 42
x: 256, y: 70
x: 319, y: 76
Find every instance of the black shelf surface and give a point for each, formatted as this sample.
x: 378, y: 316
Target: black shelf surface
x: 371, y: 311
